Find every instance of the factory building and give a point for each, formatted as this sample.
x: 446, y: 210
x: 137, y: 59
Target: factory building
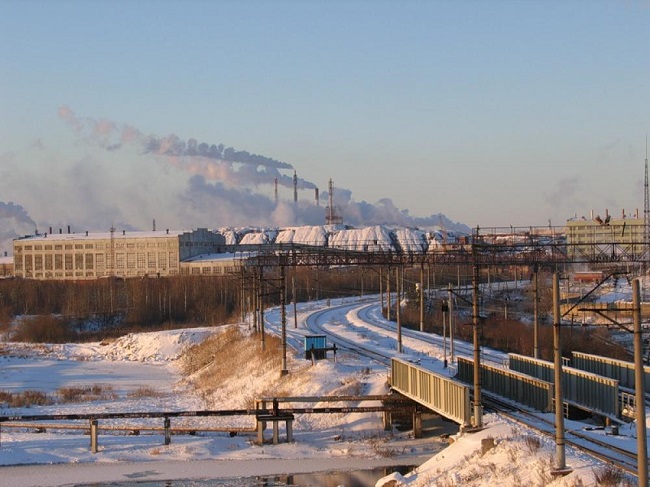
x: 72, y: 256
x: 596, y: 235
x: 6, y: 266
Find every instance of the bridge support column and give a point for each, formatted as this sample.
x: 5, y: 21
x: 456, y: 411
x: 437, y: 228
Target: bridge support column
x: 387, y: 420
x: 417, y: 424
x: 168, y: 435
x: 94, y: 447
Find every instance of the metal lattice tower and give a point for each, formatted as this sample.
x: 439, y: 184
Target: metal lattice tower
x: 646, y: 207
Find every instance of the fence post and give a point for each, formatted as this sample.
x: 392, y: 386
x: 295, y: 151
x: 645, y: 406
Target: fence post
x: 168, y: 436
x: 93, y: 436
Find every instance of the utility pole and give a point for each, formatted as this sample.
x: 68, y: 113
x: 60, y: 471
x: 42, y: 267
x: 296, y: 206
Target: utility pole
x: 293, y: 295
x: 422, y: 297
x: 639, y: 387
x: 398, y: 307
x: 478, y: 407
x: 388, y: 294
x: 451, y: 321
x: 560, y: 456
x: 261, y: 299
x: 283, y: 314
x: 535, y: 312
x: 381, y: 289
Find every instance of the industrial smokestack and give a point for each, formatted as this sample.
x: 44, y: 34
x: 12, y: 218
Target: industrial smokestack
x: 68, y: 228
x: 154, y: 224
x: 275, y: 183
x: 295, y: 187
x: 316, y: 196
x: 330, y: 218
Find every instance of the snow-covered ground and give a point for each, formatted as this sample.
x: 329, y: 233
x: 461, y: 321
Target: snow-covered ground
x: 323, y: 442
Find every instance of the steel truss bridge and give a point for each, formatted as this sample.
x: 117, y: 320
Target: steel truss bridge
x: 543, y: 247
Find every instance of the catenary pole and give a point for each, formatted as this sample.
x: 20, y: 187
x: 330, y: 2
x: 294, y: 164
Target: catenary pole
x: 639, y: 388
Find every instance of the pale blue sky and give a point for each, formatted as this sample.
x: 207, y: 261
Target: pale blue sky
x: 491, y: 112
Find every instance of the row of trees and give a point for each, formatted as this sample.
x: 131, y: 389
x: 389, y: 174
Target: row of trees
x: 66, y: 311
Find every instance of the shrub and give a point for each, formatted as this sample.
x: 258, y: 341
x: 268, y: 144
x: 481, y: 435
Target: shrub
x: 96, y: 392
x: 609, y: 476
x: 144, y: 391
x: 25, y: 399
x: 44, y: 329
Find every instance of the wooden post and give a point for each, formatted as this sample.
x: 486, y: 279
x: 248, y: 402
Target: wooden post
x: 275, y: 432
x: 168, y: 436
x: 289, y: 427
x: 260, y: 432
x: 94, y: 447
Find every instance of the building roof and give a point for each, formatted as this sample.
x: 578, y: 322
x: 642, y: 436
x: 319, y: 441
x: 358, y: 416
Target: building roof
x: 99, y: 236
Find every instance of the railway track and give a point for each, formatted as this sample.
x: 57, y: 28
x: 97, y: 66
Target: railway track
x: 606, y: 452
x: 365, y: 332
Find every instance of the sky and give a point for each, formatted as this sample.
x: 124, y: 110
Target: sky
x: 490, y: 113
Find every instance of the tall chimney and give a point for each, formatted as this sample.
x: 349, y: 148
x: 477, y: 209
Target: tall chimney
x: 68, y: 228
x: 275, y: 182
x: 295, y: 187
x: 154, y: 224
x: 316, y: 196
x: 331, y: 201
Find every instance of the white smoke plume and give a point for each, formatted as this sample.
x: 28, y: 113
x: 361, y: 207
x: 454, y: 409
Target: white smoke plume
x: 14, y: 222
x: 114, y: 175
x: 213, y: 161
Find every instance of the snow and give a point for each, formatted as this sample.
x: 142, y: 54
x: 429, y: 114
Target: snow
x: 322, y: 442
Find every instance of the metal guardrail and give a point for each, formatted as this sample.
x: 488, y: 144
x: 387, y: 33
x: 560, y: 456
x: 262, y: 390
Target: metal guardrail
x: 583, y: 389
x: 442, y: 395
x: 509, y: 384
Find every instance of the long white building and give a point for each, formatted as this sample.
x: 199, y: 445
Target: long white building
x: 73, y: 256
